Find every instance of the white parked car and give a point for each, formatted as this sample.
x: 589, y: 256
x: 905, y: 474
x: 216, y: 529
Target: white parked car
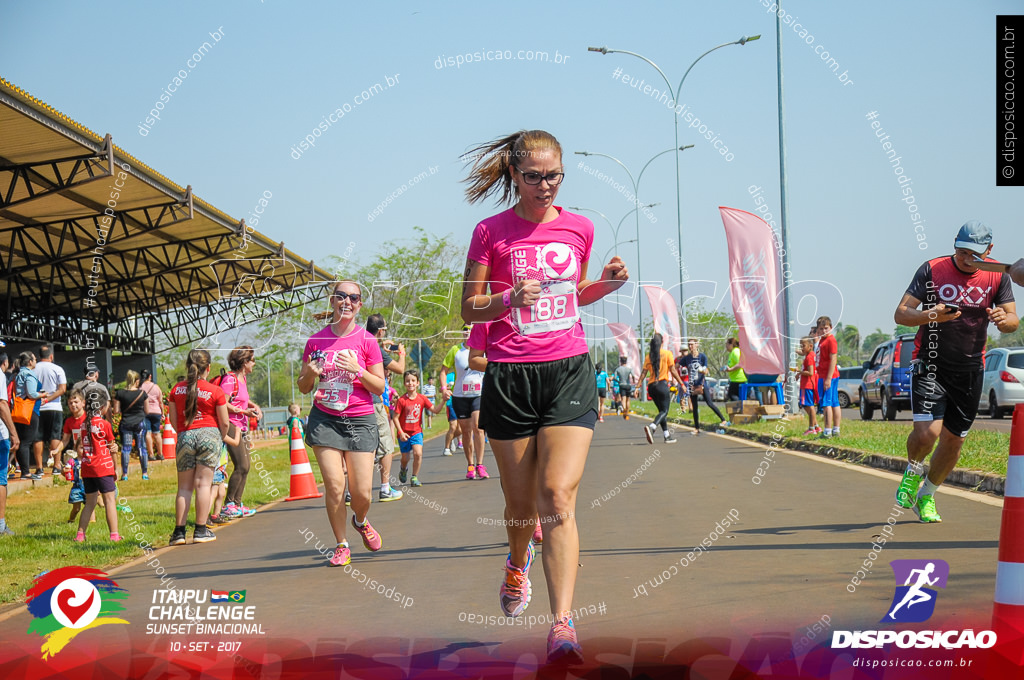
x: 721, y: 389
x: 1003, y: 386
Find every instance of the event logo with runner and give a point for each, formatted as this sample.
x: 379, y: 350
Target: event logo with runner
x: 914, y: 601
x: 70, y: 600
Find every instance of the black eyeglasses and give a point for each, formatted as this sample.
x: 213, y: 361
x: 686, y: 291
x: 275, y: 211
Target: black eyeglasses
x: 554, y: 179
x: 354, y: 297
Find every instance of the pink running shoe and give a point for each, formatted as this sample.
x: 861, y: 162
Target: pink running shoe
x: 481, y: 472
x: 538, y: 535
x: 115, y: 537
x: 563, y: 646
x: 371, y: 539
x: 342, y: 556
x: 515, y: 592
x: 80, y: 537
x: 471, y: 473
x: 810, y: 430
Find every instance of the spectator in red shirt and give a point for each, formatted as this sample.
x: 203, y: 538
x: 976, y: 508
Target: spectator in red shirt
x: 828, y: 378
x: 98, y: 472
x: 199, y: 414
x: 808, y: 384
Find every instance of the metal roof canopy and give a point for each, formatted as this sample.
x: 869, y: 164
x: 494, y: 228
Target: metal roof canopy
x: 97, y: 249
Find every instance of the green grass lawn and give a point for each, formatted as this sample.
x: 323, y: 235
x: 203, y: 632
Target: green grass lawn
x: 984, y: 450
x: 45, y: 541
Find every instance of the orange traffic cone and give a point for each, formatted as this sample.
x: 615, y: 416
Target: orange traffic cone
x: 303, y: 484
x: 1008, y: 612
x: 170, y: 442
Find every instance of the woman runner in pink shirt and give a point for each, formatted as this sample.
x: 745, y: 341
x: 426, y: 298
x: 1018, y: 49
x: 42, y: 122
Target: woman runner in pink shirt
x: 526, y: 272
x: 343, y: 365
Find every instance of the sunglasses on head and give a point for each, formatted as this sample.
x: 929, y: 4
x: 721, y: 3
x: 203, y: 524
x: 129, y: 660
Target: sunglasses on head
x: 354, y: 297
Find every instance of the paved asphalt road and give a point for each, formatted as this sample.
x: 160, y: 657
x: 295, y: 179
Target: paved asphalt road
x: 784, y: 563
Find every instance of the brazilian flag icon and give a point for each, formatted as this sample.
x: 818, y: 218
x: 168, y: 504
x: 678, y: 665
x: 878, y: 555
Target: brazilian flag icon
x: 237, y: 596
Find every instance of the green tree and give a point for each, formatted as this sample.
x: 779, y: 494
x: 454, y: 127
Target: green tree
x: 848, y: 339
x: 874, y: 340
x: 418, y: 288
x: 712, y: 327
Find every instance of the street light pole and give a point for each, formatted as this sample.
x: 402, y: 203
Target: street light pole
x: 679, y: 213
x: 615, y: 234
x: 636, y: 201
x: 786, y: 331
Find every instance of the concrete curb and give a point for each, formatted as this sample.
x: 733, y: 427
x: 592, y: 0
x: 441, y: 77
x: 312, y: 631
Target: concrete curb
x: 985, y: 482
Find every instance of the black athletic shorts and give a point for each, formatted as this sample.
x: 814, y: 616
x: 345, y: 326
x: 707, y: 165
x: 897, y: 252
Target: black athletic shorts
x: 602, y: 392
x: 51, y: 425
x: 951, y: 396
x: 464, y: 407
x: 520, y: 398
x: 625, y: 390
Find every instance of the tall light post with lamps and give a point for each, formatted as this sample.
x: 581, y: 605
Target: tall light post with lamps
x: 615, y: 233
x: 636, y: 200
x: 679, y: 213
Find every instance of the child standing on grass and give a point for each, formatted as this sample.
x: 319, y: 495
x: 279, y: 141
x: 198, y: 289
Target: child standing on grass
x: 76, y: 497
x: 97, y: 464
x: 408, y: 419
x: 808, y: 383
x: 219, y: 490
x: 294, y: 419
x: 72, y: 430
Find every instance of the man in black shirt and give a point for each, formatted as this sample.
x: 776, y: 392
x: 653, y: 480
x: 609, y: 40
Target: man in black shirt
x: 957, y: 301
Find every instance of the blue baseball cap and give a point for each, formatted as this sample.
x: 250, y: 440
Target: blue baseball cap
x: 974, y: 236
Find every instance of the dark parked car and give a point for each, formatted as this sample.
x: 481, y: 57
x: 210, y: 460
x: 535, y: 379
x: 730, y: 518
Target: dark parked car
x: 886, y: 381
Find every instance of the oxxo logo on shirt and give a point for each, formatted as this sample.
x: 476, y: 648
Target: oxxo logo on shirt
x: 914, y: 601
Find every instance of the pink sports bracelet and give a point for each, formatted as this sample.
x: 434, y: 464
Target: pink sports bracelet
x: 506, y: 297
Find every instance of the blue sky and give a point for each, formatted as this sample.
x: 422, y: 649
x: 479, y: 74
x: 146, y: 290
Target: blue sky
x: 926, y: 68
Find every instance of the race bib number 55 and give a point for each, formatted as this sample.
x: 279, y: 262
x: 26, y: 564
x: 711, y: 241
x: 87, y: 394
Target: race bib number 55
x: 334, y: 394
x: 556, y: 309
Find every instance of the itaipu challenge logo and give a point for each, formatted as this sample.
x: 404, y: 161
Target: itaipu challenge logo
x: 71, y: 600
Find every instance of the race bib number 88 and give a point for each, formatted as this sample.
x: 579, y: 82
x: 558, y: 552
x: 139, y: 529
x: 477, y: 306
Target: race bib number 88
x: 556, y: 309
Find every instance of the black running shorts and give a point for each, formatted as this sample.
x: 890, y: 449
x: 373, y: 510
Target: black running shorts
x: 464, y: 407
x: 950, y: 396
x: 520, y: 398
x: 51, y: 424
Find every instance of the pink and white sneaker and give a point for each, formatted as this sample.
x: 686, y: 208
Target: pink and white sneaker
x: 342, y: 556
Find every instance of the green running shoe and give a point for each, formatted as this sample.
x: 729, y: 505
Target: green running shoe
x: 925, y: 509
x: 907, y: 491
x: 403, y: 474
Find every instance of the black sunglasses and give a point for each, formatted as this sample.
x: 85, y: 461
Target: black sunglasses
x: 553, y: 179
x: 354, y: 297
